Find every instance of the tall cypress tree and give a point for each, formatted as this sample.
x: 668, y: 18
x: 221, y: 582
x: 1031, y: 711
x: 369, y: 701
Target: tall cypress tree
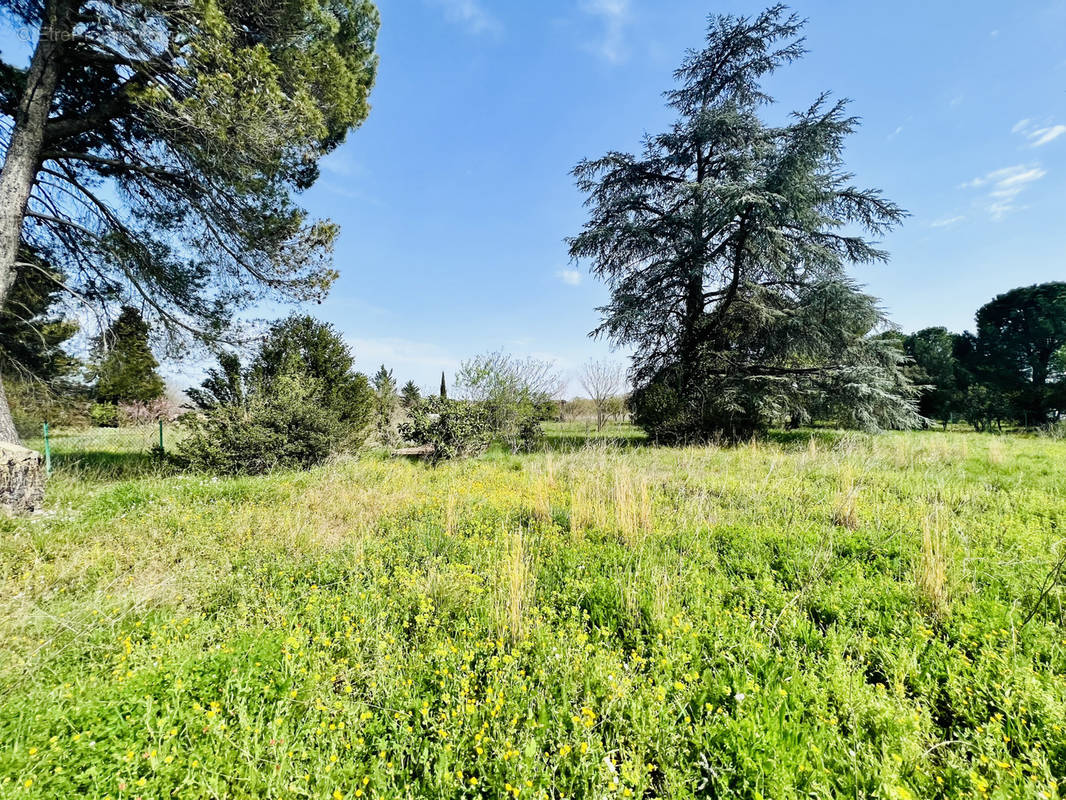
x: 443, y: 387
x: 725, y: 246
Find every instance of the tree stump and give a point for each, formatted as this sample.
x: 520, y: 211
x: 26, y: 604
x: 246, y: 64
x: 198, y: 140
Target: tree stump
x: 21, y: 479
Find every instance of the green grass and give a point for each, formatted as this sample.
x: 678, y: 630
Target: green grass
x: 816, y: 615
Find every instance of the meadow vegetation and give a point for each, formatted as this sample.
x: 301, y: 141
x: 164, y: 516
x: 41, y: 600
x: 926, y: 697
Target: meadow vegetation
x: 811, y: 615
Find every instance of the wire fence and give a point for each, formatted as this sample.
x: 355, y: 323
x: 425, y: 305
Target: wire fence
x: 64, y: 446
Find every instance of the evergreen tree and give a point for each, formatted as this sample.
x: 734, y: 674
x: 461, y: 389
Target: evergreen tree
x: 123, y: 367
x: 936, y: 368
x: 323, y: 356
x: 725, y: 247
x: 410, y: 395
x: 32, y: 332
x: 223, y: 386
x: 443, y: 387
x: 386, y: 401
x: 153, y: 150
x: 1019, y: 336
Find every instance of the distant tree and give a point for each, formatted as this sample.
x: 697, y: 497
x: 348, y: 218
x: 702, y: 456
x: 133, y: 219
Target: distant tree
x: 322, y: 355
x: 386, y: 401
x: 604, y: 381
x: 154, y: 149
x: 443, y: 388
x: 725, y: 247
x: 123, y: 368
x: 1019, y: 336
x: 410, y: 395
x: 936, y: 368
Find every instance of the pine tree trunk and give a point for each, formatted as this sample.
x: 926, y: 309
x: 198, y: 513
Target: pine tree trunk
x: 8, y: 433
x: 23, y: 157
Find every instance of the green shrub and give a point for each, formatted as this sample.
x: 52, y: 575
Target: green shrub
x: 454, y: 428
x: 104, y: 415
x: 283, y: 426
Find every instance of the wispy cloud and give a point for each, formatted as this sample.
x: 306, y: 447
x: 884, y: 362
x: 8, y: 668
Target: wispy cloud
x: 571, y: 277
x: 471, y: 15
x: 1038, y: 134
x: 614, y: 14
x: 946, y: 222
x: 1003, y: 186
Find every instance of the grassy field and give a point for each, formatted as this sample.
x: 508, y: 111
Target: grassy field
x: 815, y: 615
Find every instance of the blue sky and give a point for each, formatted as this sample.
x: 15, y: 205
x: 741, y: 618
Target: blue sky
x: 454, y: 198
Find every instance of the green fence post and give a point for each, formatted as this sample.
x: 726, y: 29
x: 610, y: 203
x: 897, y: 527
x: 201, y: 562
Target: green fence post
x: 47, y: 452
x: 161, y: 448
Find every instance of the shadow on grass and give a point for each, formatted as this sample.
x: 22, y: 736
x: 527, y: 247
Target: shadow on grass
x: 111, y: 465
x: 563, y: 436
x: 801, y: 437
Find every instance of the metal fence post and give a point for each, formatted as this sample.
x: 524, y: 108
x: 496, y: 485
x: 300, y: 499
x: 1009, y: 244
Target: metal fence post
x: 47, y: 452
x: 161, y: 448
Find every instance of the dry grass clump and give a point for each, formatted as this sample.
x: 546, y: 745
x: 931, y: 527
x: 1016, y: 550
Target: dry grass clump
x: 934, y: 564
x: 515, y: 590
x: 845, y: 503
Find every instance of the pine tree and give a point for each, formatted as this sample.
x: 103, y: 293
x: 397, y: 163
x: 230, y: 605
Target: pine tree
x: 155, y: 150
x: 386, y: 401
x: 410, y: 395
x: 32, y: 332
x: 123, y: 366
x: 725, y: 246
x: 443, y: 388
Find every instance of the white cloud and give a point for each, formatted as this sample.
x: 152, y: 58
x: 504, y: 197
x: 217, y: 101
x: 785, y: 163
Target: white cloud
x: 610, y: 45
x: 1038, y: 135
x: 1042, y: 136
x: 946, y: 222
x: 470, y: 14
x: 1004, y: 186
x: 571, y: 277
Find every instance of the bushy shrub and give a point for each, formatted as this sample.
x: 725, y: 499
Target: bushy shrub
x: 516, y: 395
x: 104, y: 415
x: 298, y: 402
x: 453, y: 428
x: 284, y: 426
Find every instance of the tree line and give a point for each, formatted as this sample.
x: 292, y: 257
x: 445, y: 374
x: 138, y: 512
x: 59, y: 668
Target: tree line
x: 155, y: 153
x: 1011, y: 370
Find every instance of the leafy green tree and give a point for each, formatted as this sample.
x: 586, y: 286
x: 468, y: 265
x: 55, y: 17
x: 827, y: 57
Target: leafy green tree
x: 725, y: 246
x: 1019, y: 336
x: 322, y: 354
x: 410, y: 395
x: 282, y: 425
x: 451, y: 428
x: 123, y: 367
x: 516, y: 394
x: 154, y: 149
x: 936, y: 368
